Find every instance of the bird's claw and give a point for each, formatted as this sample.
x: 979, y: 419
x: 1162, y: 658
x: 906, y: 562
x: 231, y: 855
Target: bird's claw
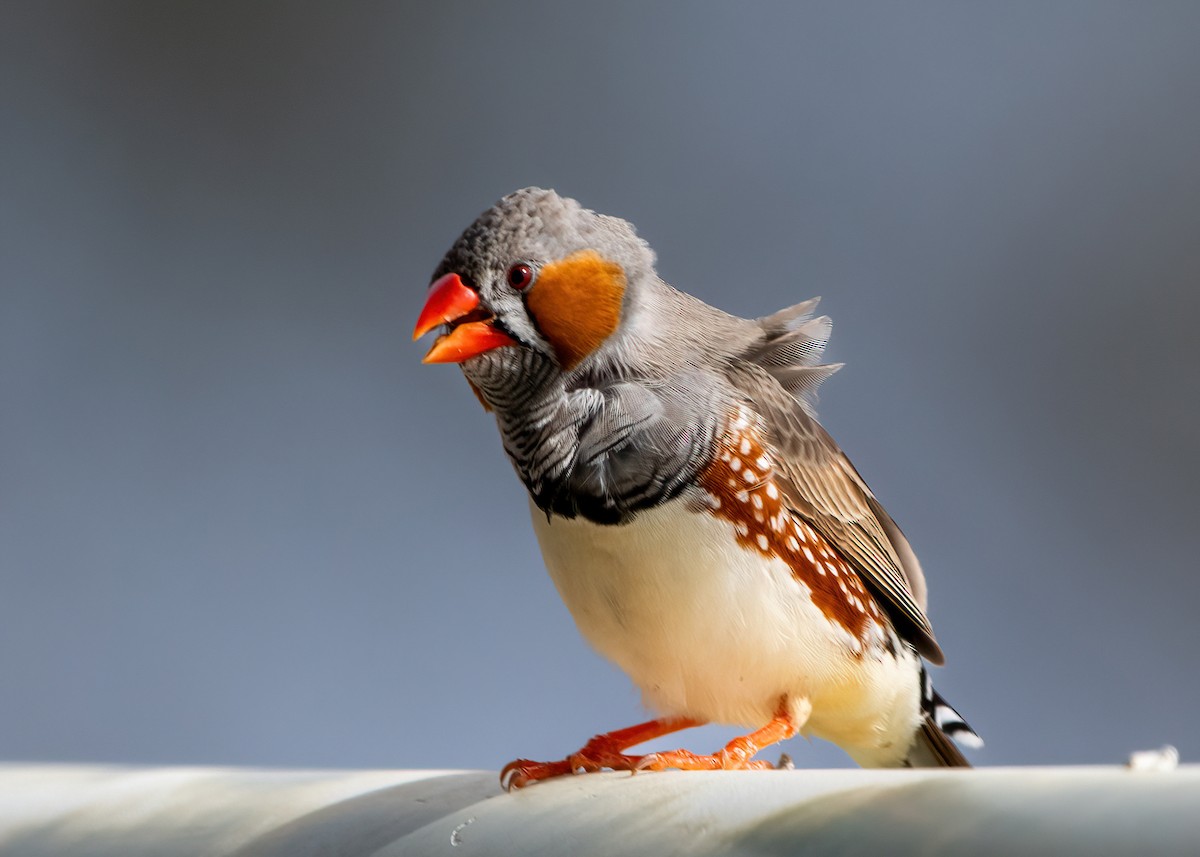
x: 730, y: 758
x: 521, y: 772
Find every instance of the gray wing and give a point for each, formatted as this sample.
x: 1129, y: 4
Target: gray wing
x: 822, y: 486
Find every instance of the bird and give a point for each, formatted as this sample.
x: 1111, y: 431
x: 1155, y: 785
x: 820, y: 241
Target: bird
x: 703, y: 529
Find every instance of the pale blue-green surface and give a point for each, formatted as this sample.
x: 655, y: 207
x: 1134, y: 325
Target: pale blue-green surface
x: 68, y: 811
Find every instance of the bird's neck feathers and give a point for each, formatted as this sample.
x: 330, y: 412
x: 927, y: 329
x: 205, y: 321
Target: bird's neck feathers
x: 664, y: 331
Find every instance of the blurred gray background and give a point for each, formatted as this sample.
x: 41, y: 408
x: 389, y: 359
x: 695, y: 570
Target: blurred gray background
x: 241, y: 523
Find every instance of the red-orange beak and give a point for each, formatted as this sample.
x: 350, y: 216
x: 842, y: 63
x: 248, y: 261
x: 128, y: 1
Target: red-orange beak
x: 451, y: 301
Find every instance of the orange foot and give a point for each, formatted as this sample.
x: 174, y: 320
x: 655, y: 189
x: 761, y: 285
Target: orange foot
x: 603, y: 751
x: 734, y: 756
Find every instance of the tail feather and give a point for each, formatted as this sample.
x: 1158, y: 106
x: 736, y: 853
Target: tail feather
x: 933, y: 747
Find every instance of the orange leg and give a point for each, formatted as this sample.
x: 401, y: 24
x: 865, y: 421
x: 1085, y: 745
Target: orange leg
x: 603, y: 751
x: 736, y: 755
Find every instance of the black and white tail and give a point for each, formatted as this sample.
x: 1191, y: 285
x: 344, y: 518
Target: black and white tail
x: 933, y: 747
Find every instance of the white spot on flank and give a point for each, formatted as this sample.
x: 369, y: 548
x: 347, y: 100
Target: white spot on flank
x: 833, y: 569
x: 742, y: 496
x: 758, y: 516
x: 811, y: 558
x: 772, y: 491
x: 763, y: 463
x: 762, y: 541
x: 745, y: 447
x: 757, y: 501
x: 792, y: 544
x: 742, y: 529
x: 735, y: 465
x: 749, y: 475
x: 732, y: 483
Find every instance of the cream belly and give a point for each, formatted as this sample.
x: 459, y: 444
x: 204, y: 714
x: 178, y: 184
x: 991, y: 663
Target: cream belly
x: 710, y: 630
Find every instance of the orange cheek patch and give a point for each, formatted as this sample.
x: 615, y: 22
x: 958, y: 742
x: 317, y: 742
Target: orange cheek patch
x: 576, y: 303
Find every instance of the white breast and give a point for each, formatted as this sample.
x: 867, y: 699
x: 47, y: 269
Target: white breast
x: 710, y: 630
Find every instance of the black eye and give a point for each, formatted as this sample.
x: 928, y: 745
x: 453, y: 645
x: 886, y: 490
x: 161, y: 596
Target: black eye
x: 520, y: 276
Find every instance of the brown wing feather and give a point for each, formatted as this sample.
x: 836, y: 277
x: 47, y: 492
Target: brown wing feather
x: 822, y: 486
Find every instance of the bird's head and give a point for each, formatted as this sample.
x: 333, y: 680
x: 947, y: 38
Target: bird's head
x: 536, y: 284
